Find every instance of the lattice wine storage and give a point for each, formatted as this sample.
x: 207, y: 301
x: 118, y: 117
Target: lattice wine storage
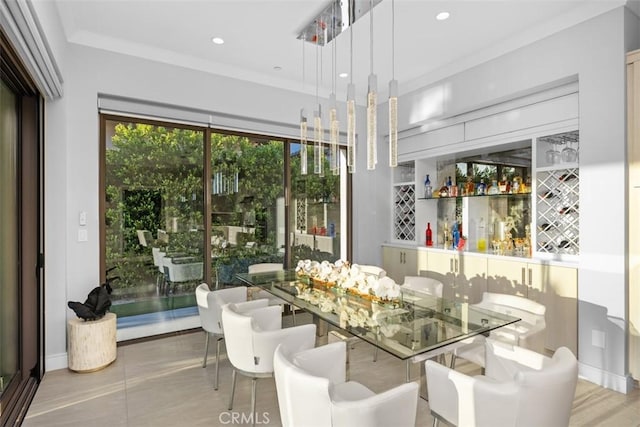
x: 404, y: 216
x: 558, y: 211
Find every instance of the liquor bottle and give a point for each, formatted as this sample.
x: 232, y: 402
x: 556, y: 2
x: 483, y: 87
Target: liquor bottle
x: 470, y: 187
x: 502, y: 185
x: 429, y: 235
x: 449, y: 185
x: 428, y: 190
x: 494, y: 188
x: 482, y: 188
x: 481, y: 244
x: 446, y: 236
x: 455, y: 234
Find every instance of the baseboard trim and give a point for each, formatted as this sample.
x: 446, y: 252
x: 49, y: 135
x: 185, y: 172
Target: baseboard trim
x: 620, y: 383
x: 54, y: 362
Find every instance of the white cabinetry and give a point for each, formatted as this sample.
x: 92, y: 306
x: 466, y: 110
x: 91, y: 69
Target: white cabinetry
x: 399, y: 262
x: 556, y: 287
x: 464, y: 276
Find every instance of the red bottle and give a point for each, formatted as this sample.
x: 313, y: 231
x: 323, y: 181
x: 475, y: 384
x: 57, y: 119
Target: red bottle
x: 429, y: 235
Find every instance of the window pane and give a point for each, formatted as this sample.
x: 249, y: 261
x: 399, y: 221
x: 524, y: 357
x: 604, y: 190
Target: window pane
x: 154, y: 219
x: 247, y: 204
x: 318, y: 209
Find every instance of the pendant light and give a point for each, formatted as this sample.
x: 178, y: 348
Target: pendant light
x: 372, y: 100
x: 393, y: 97
x: 334, y: 126
x: 318, y: 151
x: 303, y: 128
x: 351, y: 111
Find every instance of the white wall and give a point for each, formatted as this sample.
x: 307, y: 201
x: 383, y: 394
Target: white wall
x: 72, y: 156
x: 594, y: 51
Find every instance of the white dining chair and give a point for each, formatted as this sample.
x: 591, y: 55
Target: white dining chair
x: 181, y: 270
x: 373, y: 270
x: 251, y: 339
x: 267, y: 267
x: 529, y: 332
x: 519, y: 388
x: 210, y: 310
x: 313, y: 391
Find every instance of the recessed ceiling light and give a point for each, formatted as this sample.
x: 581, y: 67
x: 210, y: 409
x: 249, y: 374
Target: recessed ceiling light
x: 343, y: 75
x: 442, y: 16
x: 217, y: 40
x: 277, y: 68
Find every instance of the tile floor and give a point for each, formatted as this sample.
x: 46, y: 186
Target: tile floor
x: 162, y: 383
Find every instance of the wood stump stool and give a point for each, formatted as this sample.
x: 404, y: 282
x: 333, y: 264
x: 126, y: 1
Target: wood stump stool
x: 92, y: 344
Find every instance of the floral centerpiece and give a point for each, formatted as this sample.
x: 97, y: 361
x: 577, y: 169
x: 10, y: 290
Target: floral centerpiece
x: 349, y: 278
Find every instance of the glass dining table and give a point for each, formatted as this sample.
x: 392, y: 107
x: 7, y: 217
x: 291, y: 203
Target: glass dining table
x: 413, y: 325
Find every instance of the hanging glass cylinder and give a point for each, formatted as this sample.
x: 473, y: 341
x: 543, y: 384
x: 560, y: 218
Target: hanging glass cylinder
x: 318, y: 151
x: 393, y: 123
x: 303, y: 142
x: 351, y: 127
x: 372, y: 125
x: 334, y: 130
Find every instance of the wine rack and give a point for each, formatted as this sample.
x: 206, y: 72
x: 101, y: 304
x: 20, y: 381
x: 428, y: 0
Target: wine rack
x: 404, y: 205
x: 557, y: 219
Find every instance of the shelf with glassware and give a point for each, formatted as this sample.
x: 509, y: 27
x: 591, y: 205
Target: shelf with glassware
x: 403, y: 193
x: 557, y: 194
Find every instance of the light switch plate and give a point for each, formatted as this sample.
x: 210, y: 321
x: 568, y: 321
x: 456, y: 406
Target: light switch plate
x: 82, y: 218
x: 83, y: 235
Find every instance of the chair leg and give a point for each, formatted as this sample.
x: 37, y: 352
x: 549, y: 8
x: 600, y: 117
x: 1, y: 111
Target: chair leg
x: 453, y: 361
x: 206, y: 349
x: 233, y: 388
x: 293, y: 313
x: 254, y: 382
x: 435, y: 422
x: 375, y: 350
x: 215, y: 386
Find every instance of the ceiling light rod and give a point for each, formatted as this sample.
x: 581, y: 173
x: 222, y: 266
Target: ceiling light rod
x: 334, y: 19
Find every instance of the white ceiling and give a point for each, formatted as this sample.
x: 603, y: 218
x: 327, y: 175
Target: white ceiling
x: 261, y: 34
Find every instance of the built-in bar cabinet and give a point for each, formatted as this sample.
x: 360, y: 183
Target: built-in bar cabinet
x: 515, y: 204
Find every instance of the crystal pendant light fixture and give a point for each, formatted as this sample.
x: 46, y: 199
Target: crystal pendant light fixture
x: 372, y: 101
x: 351, y: 113
x: 303, y: 128
x: 334, y: 129
x: 318, y: 150
x: 303, y: 142
x: 334, y: 126
x: 393, y: 98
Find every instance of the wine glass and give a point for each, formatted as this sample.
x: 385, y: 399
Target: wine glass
x: 569, y: 154
x: 553, y: 156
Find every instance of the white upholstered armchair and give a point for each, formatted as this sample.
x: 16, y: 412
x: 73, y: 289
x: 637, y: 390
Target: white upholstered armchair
x: 520, y: 388
x: 312, y: 391
x: 210, y: 310
x: 529, y: 332
x: 251, y: 339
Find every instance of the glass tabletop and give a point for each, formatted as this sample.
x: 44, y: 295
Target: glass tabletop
x: 413, y: 324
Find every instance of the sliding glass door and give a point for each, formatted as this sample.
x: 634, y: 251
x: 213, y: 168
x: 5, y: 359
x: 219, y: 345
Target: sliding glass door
x: 154, y: 216
x: 185, y: 205
x: 9, y: 256
x: 318, y: 221
x: 247, y: 204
